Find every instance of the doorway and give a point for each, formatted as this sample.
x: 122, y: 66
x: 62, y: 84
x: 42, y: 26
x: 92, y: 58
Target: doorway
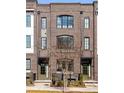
x: 86, y: 68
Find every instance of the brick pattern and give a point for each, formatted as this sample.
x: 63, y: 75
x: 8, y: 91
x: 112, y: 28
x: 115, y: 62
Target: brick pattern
x: 51, y: 11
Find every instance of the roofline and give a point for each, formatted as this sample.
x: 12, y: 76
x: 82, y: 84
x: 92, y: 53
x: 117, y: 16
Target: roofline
x: 67, y: 4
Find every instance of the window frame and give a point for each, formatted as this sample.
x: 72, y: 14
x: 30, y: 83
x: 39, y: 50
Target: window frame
x: 44, y: 26
x: 86, y: 24
x: 66, y: 22
x: 28, y: 41
x: 28, y: 20
x: 87, y: 43
x: 42, y: 41
x: 69, y: 45
x: 29, y: 60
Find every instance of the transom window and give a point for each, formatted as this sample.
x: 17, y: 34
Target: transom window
x: 65, y: 21
x: 28, y: 20
x: 65, y: 42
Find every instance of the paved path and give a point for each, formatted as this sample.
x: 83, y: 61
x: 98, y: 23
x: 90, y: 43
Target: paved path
x: 95, y: 89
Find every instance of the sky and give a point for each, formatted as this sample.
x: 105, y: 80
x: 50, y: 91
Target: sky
x: 65, y: 1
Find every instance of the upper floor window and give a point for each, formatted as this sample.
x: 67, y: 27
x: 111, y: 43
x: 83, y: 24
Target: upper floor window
x: 86, y: 43
x: 28, y: 20
x: 86, y: 22
x: 28, y: 64
x: 65, y: 42
x: 43, y: 22
x: 65, y: 21
x: 43, y: 42
x: 28, y: 41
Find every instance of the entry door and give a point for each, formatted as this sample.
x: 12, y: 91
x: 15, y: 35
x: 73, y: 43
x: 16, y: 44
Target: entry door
x: 44, y: 71
x: 86, y: 71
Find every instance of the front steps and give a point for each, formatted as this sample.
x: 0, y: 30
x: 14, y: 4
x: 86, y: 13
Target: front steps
x: 42, y: 82
x: 91, y: 83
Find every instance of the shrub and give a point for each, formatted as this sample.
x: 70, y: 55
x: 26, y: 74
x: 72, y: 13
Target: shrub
x: 60, y: 83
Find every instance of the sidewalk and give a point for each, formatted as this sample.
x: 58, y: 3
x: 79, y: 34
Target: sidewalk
x: 68, y: 89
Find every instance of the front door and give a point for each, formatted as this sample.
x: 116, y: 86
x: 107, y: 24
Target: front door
x: 86, y: 71
x: 43, y: 69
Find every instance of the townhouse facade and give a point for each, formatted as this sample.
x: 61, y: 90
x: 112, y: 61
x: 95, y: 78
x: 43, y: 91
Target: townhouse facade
x: 61, y: 37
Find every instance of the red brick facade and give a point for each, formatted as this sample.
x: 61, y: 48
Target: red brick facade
x: 52, y: 53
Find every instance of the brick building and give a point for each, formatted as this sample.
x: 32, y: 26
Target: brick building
x: 61, y: 37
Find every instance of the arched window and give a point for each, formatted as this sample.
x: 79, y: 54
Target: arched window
x: 65, y: 21
x: 65, y: 42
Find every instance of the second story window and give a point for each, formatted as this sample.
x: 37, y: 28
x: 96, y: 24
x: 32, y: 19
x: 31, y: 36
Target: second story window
x: 86, y: 43
x: 28, y: 20
x: 43, y: 23
x: 28, y: 41
x: 65, y: 42
x: 86, y: 22
x: 43, y: 42
x: 65, y: 21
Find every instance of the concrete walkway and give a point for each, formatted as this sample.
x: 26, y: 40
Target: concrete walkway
x: 68, y: 89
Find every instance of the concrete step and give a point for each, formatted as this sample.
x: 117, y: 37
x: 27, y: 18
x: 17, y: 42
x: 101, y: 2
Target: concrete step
x: 42, y: 82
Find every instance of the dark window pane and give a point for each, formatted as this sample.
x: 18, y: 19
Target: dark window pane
x: 43, y: 70
x: 85, y: 69
x: 64, y: 42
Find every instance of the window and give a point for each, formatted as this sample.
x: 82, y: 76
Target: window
x: 28, y: 20
x: 43, y: 42
x: 86, y: 43
x: 43, y: 23
x: 86, y: 22
x: 85, y: 69
x: 28, y: 41
x: 28, y: 64
x: 65, y: 42
x: 43, y: 70
x: 65, y: 21
x: 61, y: 65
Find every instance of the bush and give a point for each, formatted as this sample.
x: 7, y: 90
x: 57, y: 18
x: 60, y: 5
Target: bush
x: 81, y: 77
x: 29, y: 82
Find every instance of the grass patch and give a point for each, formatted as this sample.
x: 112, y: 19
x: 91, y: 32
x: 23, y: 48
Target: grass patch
x: 40, y: 91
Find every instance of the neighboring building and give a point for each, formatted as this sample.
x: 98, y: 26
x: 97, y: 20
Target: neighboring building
x: 61, y: 36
